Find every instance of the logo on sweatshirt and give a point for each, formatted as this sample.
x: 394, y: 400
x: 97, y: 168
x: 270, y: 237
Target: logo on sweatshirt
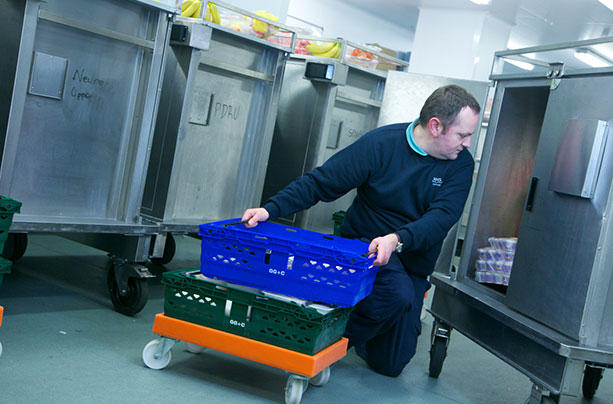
x: 437, y: 181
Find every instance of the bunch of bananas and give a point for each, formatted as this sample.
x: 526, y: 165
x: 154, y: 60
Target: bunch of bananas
x: 212, y: 13
x: 262, y: 29
x: 191, y: 8
x: 327, y: 50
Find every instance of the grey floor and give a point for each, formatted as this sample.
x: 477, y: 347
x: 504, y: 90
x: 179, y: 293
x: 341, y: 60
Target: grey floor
x: 63, y: 343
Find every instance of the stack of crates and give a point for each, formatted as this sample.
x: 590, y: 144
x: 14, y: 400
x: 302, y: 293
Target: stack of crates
x: 8, y: 207
x: 288, y: 287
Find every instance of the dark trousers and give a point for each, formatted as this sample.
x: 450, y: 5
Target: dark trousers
x: 385, y: 325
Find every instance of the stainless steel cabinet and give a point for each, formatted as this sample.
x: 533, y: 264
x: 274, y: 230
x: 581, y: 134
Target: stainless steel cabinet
x: 546, y: 177
x: 81, y: 105
x: 220, y: 98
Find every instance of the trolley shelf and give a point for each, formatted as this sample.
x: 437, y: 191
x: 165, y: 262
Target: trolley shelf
x: 291, y: 361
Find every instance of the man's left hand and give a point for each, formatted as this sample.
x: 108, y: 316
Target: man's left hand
x: 383, y: 247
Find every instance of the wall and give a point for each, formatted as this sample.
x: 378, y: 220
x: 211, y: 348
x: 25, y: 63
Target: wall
x: 341, y: 20
x: 445, y: 47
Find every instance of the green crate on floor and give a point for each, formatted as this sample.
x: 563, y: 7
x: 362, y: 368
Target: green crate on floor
x: 250, y: 313
x: 339, y: 219
x: 5, y: 268
x: 8, y: 205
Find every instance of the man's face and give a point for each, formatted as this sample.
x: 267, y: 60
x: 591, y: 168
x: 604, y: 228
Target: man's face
x: 457, y: 136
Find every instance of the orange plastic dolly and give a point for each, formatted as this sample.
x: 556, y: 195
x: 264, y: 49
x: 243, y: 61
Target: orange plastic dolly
x: 303, y: 369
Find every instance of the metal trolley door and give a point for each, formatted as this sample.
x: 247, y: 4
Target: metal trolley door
x: 316, y: 119
x: 355, y: 111
x: 211, y: 144
x: 80, y: 122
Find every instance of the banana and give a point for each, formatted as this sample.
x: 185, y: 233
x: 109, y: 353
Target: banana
x: 186, y: 4
x: 197, y: 12
x: 334, y: 52
x: 339, y: 48
x: 207, y: 14
x: 212, y: 13
x: 191, y: 9
x: 215, y: 13
x: 262, y: 29
x: 314, y: 48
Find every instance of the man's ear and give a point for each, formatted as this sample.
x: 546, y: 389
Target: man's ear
x: 436, y: 126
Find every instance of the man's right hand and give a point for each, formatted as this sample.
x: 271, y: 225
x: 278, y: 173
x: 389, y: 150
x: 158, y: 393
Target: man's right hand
x: 254, y: 216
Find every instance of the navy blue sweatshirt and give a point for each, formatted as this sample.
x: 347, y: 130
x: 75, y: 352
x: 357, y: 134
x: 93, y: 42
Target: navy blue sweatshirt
x: 398, y: 190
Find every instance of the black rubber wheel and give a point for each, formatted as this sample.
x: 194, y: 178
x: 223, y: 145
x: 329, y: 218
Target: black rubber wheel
x: 169, y: 251
x: 15, y: 246
x: 136, y: 298
x: 591, y: 380
x: 438, y: 352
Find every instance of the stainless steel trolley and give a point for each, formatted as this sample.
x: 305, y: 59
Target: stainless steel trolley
x: 546, y: 178
x: 78, y: 100
x: 220, y: 97
x: 326, y: 104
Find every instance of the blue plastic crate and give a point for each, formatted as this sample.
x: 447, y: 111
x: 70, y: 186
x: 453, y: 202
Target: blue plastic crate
x: 283, y: 259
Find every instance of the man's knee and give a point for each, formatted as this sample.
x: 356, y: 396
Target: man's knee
x: 391, y: 368
x: 388, y: 370
x: 398, y: 291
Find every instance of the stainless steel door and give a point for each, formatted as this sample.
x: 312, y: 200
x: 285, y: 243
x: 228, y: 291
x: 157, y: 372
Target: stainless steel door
x: 560, y: 228
x: 354, y: 112
x: 212, y: 141
x: 316, y: 120
x: 82, y: 110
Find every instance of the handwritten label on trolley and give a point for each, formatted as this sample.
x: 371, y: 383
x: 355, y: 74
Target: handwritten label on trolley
x: 92, y: 84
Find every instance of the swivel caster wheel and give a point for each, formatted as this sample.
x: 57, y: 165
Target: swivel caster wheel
x: 152, y: 357
x: 320, y: 378
x: 170, y: 249
x: 193, y: 348
x: 294, y: 388
x: 439, y: 341
x: 135, y: 297
x: 15, y: 246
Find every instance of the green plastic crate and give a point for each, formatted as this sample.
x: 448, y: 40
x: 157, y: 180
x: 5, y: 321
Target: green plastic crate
x: 5, y: 268
x: 250, y: 314
x: 339, y: 218
x: 8, y: 207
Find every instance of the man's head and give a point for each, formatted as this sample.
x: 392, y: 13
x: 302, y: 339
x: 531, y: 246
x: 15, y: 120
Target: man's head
x: 451, y: 115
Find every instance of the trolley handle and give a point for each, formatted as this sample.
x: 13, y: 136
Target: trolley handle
x: 531, y: 192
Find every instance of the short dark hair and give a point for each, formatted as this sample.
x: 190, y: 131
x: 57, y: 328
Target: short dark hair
x: 445, y: 103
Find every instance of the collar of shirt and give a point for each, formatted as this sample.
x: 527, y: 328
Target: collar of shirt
x: 411, y: 139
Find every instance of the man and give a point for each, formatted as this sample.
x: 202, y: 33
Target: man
x: 412, y: 181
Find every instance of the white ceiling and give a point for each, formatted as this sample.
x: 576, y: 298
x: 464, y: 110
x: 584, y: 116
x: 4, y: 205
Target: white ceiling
x: 535, y: 22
